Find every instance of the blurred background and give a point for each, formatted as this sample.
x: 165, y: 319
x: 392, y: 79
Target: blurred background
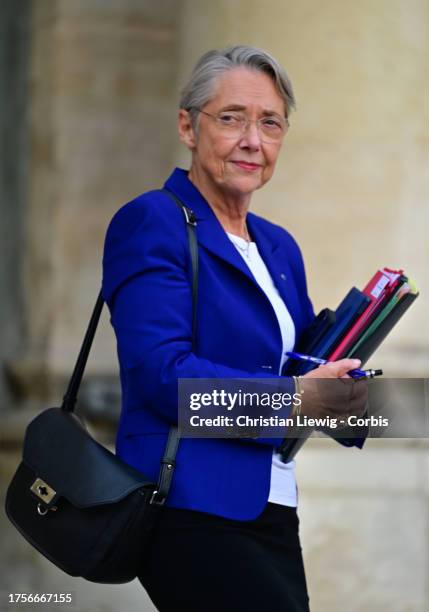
x: 88, y: 105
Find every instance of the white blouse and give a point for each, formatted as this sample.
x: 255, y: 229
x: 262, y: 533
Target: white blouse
x: 283, y: 489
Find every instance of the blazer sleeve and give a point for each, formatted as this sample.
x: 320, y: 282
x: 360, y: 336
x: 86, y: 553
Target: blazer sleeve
x: 147, y: 287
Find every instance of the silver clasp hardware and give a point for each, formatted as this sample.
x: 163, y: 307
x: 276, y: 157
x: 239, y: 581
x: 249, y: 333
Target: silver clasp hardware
x: 42, y: 510
x: 189, y: 216
x: 43, y: 491
x: 155, y: 501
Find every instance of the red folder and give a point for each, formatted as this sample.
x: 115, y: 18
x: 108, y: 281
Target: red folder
x: 378, y: 289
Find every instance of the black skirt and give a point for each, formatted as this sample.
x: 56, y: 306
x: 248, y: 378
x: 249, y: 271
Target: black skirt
x: 201, y: 562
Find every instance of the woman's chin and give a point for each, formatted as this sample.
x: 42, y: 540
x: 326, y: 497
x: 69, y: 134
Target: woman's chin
x: 244, y: 184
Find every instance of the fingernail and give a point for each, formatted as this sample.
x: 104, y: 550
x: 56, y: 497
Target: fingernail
x: 356, y: 363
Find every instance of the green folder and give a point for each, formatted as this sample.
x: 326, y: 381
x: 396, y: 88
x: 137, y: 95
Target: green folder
x: 396, y: 297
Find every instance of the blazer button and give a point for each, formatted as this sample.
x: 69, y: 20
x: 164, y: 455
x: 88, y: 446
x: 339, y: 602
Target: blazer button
x: 283, y: 276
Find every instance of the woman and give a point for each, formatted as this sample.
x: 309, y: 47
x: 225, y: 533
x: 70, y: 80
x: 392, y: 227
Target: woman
x: 227, y: 535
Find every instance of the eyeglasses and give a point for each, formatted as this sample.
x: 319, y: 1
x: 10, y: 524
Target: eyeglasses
x: 271, y: 129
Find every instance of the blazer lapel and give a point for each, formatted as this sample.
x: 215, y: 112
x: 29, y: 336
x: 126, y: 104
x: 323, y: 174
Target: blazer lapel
x: 210, y: 233
x: 212, y: 237
x: 277, y: 263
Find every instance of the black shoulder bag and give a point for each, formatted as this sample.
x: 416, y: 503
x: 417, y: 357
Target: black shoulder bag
x: 76, y: 502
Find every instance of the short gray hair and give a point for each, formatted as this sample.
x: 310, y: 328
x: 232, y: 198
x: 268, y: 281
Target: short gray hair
x: 198, y: 90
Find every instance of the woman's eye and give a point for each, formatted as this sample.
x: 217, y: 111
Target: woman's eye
x: 272, y: 123
x: 228, y: 118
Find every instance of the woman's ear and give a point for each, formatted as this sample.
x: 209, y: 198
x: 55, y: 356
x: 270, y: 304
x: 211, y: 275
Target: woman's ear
x: 186, y: 131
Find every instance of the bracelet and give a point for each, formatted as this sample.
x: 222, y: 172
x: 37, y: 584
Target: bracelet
x: 296, y: 410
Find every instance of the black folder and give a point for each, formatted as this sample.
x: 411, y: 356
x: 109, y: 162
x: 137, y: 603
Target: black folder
x: 367, y: 348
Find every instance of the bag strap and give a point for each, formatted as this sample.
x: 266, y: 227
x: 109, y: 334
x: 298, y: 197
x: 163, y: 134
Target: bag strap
x: 70, y: 397
x: 168, y: 461
x: 191, y: 224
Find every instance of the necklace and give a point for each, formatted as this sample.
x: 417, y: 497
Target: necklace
x: 244, y: 249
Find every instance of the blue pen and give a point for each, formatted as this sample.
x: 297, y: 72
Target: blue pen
x: 356, y: 373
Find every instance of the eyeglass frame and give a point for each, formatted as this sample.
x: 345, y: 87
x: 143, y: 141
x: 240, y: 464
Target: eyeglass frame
x: 246, y: 123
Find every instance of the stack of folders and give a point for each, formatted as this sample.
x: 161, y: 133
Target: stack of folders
x: 355, y: 329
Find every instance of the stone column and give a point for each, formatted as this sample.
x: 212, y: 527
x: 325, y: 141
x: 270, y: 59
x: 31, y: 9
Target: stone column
x: 101, y: 128
x: 14, y: 59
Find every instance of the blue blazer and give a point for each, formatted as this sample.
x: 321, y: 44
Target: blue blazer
x: 147, y: 287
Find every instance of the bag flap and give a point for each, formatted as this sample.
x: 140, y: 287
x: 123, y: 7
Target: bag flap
x: 61, y: 452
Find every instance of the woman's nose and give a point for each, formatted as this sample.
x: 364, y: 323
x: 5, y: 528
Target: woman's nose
x: 251, y: 138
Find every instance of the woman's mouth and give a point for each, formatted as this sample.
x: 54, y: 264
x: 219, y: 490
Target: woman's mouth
x: 249, y: 166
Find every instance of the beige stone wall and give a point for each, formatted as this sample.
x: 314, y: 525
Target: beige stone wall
x: 101, y: 131
x: 364, y: 525
x: 352, y: 183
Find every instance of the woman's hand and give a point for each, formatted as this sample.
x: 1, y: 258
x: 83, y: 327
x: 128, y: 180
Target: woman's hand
x: 329, y: 391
